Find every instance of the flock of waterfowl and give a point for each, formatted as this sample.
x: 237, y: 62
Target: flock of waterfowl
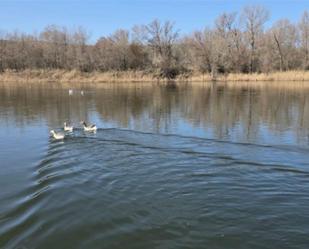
x: 68, y: 128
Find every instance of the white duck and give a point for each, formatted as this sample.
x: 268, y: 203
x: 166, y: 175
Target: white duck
x: 67, y: 128
x: 57, y: 135
x: 88, y: 127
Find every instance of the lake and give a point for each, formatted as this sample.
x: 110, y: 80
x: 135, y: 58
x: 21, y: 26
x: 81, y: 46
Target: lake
x: 221, y: 165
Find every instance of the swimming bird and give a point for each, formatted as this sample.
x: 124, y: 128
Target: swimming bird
x: 70, y: 92
x: 88, y: 127
x: 67, y: 128
x: 82, y: 92
x: 57, y: 135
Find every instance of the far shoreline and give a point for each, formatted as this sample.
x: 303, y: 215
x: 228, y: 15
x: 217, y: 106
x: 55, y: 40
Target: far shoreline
x: 75, y: 76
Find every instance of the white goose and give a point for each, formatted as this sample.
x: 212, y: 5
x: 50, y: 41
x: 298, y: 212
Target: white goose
x: 67, y: 128
x: 57, y: 135
x: 88, y: 127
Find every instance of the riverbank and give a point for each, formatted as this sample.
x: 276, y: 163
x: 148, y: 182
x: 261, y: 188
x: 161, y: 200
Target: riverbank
x: 140, y: 76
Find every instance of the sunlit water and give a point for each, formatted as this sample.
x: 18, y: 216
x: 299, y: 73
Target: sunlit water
x: 189, y: 166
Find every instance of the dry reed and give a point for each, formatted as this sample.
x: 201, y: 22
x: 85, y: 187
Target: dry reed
x: 140, y: 76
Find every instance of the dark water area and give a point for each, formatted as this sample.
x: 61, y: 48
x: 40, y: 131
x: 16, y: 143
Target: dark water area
x: 170, y: 166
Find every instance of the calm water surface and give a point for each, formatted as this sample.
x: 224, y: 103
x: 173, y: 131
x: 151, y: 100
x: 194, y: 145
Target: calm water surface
x: 189, y: 166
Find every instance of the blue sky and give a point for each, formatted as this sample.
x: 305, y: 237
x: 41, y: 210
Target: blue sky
x: 103, y: 17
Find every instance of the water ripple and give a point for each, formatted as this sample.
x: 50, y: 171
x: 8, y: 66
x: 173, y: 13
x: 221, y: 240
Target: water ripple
x: 119, y: 185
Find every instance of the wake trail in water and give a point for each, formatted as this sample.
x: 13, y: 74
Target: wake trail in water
x: 84, y: 163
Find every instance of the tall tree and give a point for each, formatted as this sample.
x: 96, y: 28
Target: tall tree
x: 161, y: 38
x: 284, y: 37
x: 304, y: 38
x: 2, y: 49
x: 229, y: 39
x: 254, y: 18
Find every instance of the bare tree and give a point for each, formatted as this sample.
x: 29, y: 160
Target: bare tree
x: 122, y: 45
x: 56, y: 43
x: 158, y: 48
x: 161, y: 38
x: 2, y: 50
x: 116, y: 52
x: 284, y: 36
x: 206, y: 51
x: 304, y: 38
x: 229, y: 39
x: 83, y: 58
x: 254, y: 18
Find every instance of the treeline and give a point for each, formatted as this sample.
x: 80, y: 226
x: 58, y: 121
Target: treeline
x: 237, y: 42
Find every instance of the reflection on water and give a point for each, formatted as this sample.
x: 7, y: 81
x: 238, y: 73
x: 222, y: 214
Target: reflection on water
x: 215, y: 110
x: 192, y: 165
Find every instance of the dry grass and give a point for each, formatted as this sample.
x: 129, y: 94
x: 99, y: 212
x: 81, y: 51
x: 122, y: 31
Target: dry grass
x: 237, y: 77
x: 275, y: 76
x: 74, y: 76
x: 140, y: 76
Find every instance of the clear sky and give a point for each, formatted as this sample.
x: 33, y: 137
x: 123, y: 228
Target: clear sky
x: 103, y: 17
